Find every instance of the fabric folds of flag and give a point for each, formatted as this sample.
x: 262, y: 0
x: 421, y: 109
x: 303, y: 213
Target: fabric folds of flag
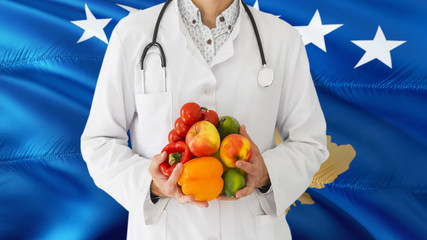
x: 367, y: 60
x: 47, y: 81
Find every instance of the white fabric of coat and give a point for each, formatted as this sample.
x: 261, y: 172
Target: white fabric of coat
x: 229, y: 86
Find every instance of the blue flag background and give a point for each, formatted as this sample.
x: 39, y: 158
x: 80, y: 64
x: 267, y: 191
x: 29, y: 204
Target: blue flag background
x: 373, y: 93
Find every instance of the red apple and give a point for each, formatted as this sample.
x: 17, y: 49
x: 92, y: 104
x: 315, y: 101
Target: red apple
x: 203, y: 139
x: 235, y: 147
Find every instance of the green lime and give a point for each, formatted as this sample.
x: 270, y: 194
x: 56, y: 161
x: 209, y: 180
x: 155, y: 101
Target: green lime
x: 228, y: 125
x: 233, y: 182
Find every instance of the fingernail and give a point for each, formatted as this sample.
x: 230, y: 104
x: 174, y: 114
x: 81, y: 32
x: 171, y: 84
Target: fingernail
x: 237, y: 164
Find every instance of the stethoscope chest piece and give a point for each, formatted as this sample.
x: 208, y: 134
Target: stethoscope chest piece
x: 265, y: 76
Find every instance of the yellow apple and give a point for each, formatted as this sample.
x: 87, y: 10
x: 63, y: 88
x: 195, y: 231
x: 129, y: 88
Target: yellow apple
x: 203, y: 139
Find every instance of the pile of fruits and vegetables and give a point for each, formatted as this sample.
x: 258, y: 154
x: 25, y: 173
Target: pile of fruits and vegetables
x: 208, y: 147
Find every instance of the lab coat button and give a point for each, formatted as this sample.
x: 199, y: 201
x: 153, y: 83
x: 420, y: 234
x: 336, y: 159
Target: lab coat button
x: 208, y: 91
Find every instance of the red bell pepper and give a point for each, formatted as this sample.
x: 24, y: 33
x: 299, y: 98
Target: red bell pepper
x: 176, y: 152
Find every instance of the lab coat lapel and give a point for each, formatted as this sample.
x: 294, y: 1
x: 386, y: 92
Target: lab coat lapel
x: 191, y: 46
x: 189, y: 43
x: 227, y: 50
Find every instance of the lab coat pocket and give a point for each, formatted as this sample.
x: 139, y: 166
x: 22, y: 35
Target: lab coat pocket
x: 154, y: 122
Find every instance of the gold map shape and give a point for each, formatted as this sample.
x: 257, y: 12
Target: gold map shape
x: 338, y: 162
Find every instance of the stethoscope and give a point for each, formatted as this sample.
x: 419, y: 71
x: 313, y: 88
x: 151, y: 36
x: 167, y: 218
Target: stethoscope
x: 265, y: 74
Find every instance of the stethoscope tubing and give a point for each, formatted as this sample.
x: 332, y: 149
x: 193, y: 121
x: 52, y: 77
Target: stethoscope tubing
x: 154, y: 43
x: 258, y: 39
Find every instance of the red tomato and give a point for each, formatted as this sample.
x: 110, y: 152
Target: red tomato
x: 209, y: 115
x: 174, y: 137
x: 181, y: 128
x: 191, y: 113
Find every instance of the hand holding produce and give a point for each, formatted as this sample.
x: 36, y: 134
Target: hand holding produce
x: 167, y: 187
x: 226, y: 158
x: 256, y: 170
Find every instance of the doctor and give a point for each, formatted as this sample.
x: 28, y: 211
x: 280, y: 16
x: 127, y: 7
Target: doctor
x: 212, y: 57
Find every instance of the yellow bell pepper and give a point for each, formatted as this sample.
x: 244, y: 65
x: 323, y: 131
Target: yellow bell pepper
x: 201, y: 177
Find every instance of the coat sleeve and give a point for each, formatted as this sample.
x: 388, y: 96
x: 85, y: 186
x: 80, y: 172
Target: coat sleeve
x: 301, y: 124
x: 114, y: 167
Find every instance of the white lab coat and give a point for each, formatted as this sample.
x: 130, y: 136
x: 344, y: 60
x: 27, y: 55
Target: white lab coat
x: 228, y: 85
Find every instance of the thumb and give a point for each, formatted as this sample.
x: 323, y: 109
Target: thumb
x: 175, y: 174
x: 245, y: 134
x: 159, y: 158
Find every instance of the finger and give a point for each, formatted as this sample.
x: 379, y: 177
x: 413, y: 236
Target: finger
x: 248, y: 167
x: 157, y: 160
x: 183, y: 198
x: 255, y: 150
x: 173, y: 179
x: 248, y: 190
x: 200, y: 204
x: 169, y: 186
x: 193, y: 201
x: 154, y: 168
x: 245, y: 134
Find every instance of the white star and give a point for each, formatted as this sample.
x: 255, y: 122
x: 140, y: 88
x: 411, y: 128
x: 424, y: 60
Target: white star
x: 130, y: 9
x: 315, y: 32
x: 93, y: 27
x: 378, y: 48
x: 256, y: 5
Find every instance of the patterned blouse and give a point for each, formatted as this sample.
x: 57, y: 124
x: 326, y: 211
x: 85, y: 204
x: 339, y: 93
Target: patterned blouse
x: 208, y: 41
